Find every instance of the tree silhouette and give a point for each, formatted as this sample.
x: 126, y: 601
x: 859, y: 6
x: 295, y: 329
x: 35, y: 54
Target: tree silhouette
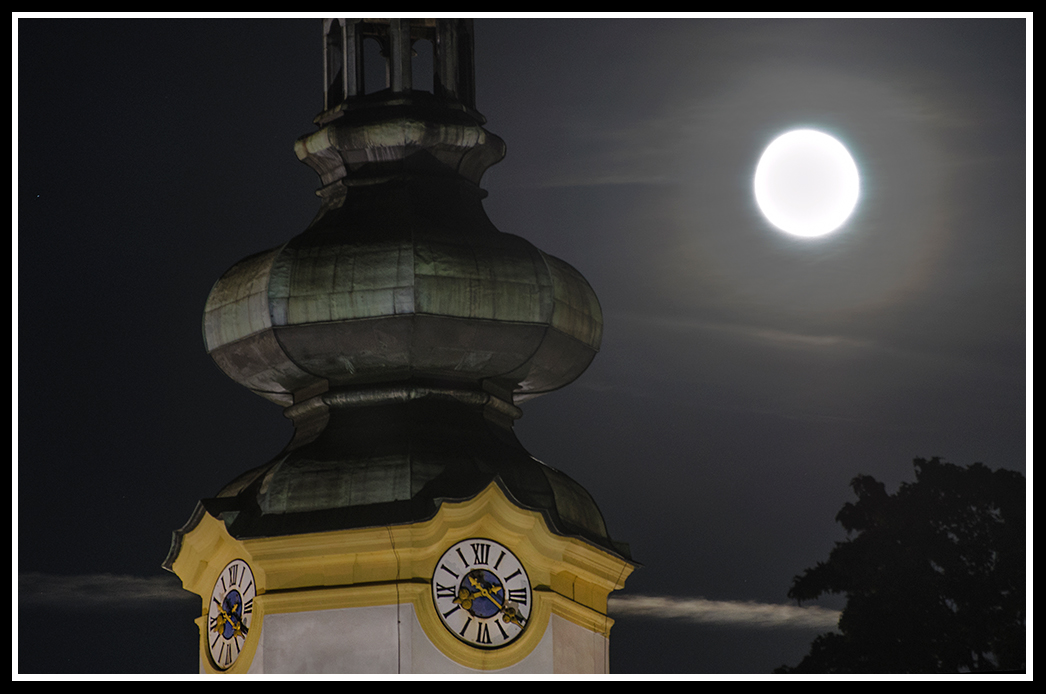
x: 934, y: 576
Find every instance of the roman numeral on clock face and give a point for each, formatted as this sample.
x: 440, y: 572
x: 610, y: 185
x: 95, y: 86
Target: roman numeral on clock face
x: 443, y: 591
x: 518, y: 595
x: 483, y: 635
x: 481, y: 552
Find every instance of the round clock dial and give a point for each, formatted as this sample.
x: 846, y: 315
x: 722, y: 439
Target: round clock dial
x: 229, y: 615
x: 482, y: 593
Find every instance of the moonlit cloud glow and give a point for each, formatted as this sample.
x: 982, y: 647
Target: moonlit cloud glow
x: 724, y: 612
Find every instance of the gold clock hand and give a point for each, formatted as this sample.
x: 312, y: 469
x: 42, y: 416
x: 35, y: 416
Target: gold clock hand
x: 464, y: 598
x: 511, y: 615
x: 239, y: 629
x: 489, y: 596
x: 484, y: 592
x: 220, y: 620
x: 224, y: 618
x: 478, y: 584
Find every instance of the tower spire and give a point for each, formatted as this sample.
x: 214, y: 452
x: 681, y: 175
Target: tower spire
x: 400, y: 331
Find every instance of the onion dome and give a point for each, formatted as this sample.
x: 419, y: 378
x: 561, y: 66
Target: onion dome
x: 405, y: 280
x: 401, y: 328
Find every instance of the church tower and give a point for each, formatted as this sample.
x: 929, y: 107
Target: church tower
x: 404, y: 528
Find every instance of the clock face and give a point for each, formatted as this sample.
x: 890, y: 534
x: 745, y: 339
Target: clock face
x: 482, y: 593
x: 229, y: 616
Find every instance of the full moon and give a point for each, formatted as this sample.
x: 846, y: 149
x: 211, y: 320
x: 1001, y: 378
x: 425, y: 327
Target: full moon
x: 806, y: 183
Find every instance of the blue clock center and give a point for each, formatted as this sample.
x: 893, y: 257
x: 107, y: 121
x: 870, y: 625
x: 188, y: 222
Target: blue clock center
x: 488, y: 593
x: 232, y: 605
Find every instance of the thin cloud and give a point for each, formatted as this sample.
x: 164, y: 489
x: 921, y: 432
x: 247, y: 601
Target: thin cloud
x: 754, y: 333
x: 110, y: 591
x: 797, y: 340
x: 101, y: 591
x: 724, y: 612
x: 632, y: 155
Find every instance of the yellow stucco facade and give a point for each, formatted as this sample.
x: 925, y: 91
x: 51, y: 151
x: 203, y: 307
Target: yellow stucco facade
x: 394, y: 565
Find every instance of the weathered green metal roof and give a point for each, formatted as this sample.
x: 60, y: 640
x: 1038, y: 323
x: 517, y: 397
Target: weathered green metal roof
x: 395, y: 463
x: 403, y: 285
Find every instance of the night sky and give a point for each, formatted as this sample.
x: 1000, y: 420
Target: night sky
x: 745, y: 376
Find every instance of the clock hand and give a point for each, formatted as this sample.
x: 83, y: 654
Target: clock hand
x: 511, y: 615
x: 484, y: 592
x: 223, y: 618
x: 239, y: 629
x: 480, y: 584
x: 464, y: 598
